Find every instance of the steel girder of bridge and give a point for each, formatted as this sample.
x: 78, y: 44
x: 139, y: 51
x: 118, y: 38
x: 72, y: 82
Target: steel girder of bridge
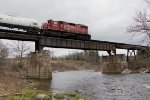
x: 16, y: 35
x: 75, y: 44
x: 43, y: 41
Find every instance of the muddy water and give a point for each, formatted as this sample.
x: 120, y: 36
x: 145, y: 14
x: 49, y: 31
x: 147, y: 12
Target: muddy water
x: 103, y: 87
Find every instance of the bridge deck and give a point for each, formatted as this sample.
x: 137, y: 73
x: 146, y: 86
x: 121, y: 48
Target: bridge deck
x: 17, y: 35
x: 43, y: 41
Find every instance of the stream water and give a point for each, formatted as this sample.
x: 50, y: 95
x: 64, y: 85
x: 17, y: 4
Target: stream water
x: 100, y: 86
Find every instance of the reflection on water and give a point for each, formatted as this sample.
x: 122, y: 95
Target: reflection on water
x: 103, y: 87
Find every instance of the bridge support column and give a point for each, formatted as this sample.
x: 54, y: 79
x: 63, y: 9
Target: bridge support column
x: 39, y: 65
x: 131, y: 54
x: 38, y: 48
x: 111, y: 52
x: 114, y: 63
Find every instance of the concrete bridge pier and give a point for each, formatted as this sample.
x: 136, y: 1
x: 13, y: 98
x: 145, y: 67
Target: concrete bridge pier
x: 39, y: 65
x: 114, y: 64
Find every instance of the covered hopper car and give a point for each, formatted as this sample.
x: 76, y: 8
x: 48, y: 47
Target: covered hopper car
x: 28, y: 25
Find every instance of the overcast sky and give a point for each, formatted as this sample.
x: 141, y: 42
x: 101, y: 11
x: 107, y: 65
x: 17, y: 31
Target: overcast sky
x: 107, y: 19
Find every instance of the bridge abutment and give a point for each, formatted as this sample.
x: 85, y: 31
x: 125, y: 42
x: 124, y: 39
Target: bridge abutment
x: 39, y: 65
x: 114, y: 63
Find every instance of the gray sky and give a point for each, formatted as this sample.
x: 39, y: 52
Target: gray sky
x: 107, y: 19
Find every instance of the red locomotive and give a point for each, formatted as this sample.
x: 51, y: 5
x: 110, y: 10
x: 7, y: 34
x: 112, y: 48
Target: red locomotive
x: 64, y: 29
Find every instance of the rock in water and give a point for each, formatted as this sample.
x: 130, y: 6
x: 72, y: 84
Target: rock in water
x: 144, y: 70
x: 43, y: 97
x: 126, y: 71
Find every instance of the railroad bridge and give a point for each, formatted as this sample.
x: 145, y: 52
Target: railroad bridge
x: 42, y: 41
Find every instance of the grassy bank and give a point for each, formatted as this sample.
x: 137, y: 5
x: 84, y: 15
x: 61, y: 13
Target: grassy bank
x: 30, y: 95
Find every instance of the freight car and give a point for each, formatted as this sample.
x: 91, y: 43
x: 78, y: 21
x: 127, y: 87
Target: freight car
x: 28, y: 25
x: 64, y: 29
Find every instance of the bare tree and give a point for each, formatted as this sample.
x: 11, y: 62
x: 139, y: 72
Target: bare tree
x: 141, y: 22
x: 3, y: 53
x: 20, y: 48
x: 142, y: 25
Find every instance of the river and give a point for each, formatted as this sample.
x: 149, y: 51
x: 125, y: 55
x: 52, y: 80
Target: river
x: 100, y: 86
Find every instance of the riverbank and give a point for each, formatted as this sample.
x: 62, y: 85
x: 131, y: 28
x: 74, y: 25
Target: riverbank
x: 13, y: 84
x: 33, y: 90
x: 70, y: 65
x: 10, y: 82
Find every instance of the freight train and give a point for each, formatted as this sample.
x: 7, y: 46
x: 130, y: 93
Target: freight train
x: 51, y: 28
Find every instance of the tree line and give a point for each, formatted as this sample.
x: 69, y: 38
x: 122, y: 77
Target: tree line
x: 89, y: 56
